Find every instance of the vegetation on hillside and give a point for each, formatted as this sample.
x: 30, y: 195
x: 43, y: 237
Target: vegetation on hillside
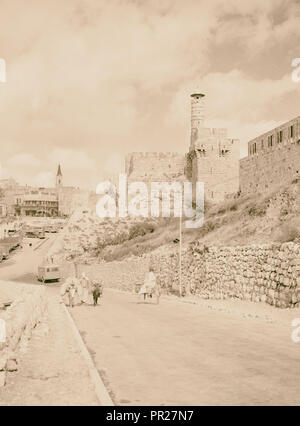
x: 239, y: 221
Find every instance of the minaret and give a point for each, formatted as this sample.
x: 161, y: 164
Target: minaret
x: 59, y: 178
x: 197, y: 115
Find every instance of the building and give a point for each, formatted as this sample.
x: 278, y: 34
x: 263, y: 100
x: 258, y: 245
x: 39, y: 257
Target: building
x: 8, y: 188
x: 62, y: 200
x: 37, y: 202
x: 273, y: 159
x: 9, y: 183
x: 3, y: 210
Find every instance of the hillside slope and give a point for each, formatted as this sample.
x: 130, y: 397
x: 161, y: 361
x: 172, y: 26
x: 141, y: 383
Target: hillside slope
x: 248, y: 220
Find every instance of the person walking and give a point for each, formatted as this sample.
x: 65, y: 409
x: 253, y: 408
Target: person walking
x: 96, y: 293
x: 85, y: 287
x: 72, y: 291
x: 149, y: 285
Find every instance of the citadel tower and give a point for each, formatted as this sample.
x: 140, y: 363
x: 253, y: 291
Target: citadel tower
x: 213, y: 158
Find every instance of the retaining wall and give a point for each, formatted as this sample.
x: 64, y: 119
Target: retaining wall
x: 21, y: 317
x: 267, y: 273
x: 261, y: 273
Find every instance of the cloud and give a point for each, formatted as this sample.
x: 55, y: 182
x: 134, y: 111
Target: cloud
x: 246, y: 106
x: 78, y: 168
x: 88, y: 81
x: 24, y: 160
x: 43, y: 180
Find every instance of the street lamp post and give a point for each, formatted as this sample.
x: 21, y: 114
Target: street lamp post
x: 180, y: 247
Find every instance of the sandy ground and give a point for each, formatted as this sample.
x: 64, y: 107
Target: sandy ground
x: 187, y: 354
x: 52, y: 370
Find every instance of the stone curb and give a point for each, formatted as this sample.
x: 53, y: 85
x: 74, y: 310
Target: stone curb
x: 100, y: 389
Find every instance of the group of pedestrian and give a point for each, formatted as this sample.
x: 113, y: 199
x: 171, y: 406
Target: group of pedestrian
x: 77, y: 291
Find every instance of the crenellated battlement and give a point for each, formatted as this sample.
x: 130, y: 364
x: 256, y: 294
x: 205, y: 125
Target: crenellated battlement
x: 150, y: 155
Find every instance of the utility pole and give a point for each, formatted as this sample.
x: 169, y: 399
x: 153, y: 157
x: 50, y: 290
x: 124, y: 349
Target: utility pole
x: 180, y: 247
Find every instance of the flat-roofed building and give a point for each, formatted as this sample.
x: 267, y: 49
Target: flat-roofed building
x: 37, y: 202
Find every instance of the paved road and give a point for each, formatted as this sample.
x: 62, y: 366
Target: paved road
x: 52, y: 371
x: 170, y: 354
x: 22, y: 264
x: 177, y: 353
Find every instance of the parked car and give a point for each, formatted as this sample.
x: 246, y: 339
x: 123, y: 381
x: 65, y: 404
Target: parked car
x: 35, y: 234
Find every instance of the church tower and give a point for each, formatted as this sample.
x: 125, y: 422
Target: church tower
x: 59, y: 183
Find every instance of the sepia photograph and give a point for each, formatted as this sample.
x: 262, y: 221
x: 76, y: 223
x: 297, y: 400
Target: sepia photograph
x: 149, y: 206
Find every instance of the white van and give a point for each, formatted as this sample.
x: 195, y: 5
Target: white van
x: 48, y: 273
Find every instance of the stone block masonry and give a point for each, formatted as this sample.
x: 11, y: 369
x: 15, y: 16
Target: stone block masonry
x: 265, y: 273
x: 273, y: 159
x: 121, y: 275
x: 154, y: 166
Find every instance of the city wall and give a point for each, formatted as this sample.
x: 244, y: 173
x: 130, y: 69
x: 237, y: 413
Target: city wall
x: 154, y: 166
x: 273, y: 159
x: 267, y: 170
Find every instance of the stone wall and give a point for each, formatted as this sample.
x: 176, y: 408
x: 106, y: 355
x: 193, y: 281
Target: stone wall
x: 214, y: 159
x: 269, y: 166
x: 21, y: 317
x: 154, y: 166
x: 121, y: 275
x: 266, y: 273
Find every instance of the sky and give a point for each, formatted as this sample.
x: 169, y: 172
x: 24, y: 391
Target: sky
x: 89, y: 81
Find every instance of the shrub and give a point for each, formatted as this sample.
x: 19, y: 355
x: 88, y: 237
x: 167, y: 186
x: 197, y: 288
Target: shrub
x: 288, y: 233
x: 140, y: 229
x: 257, y: 210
